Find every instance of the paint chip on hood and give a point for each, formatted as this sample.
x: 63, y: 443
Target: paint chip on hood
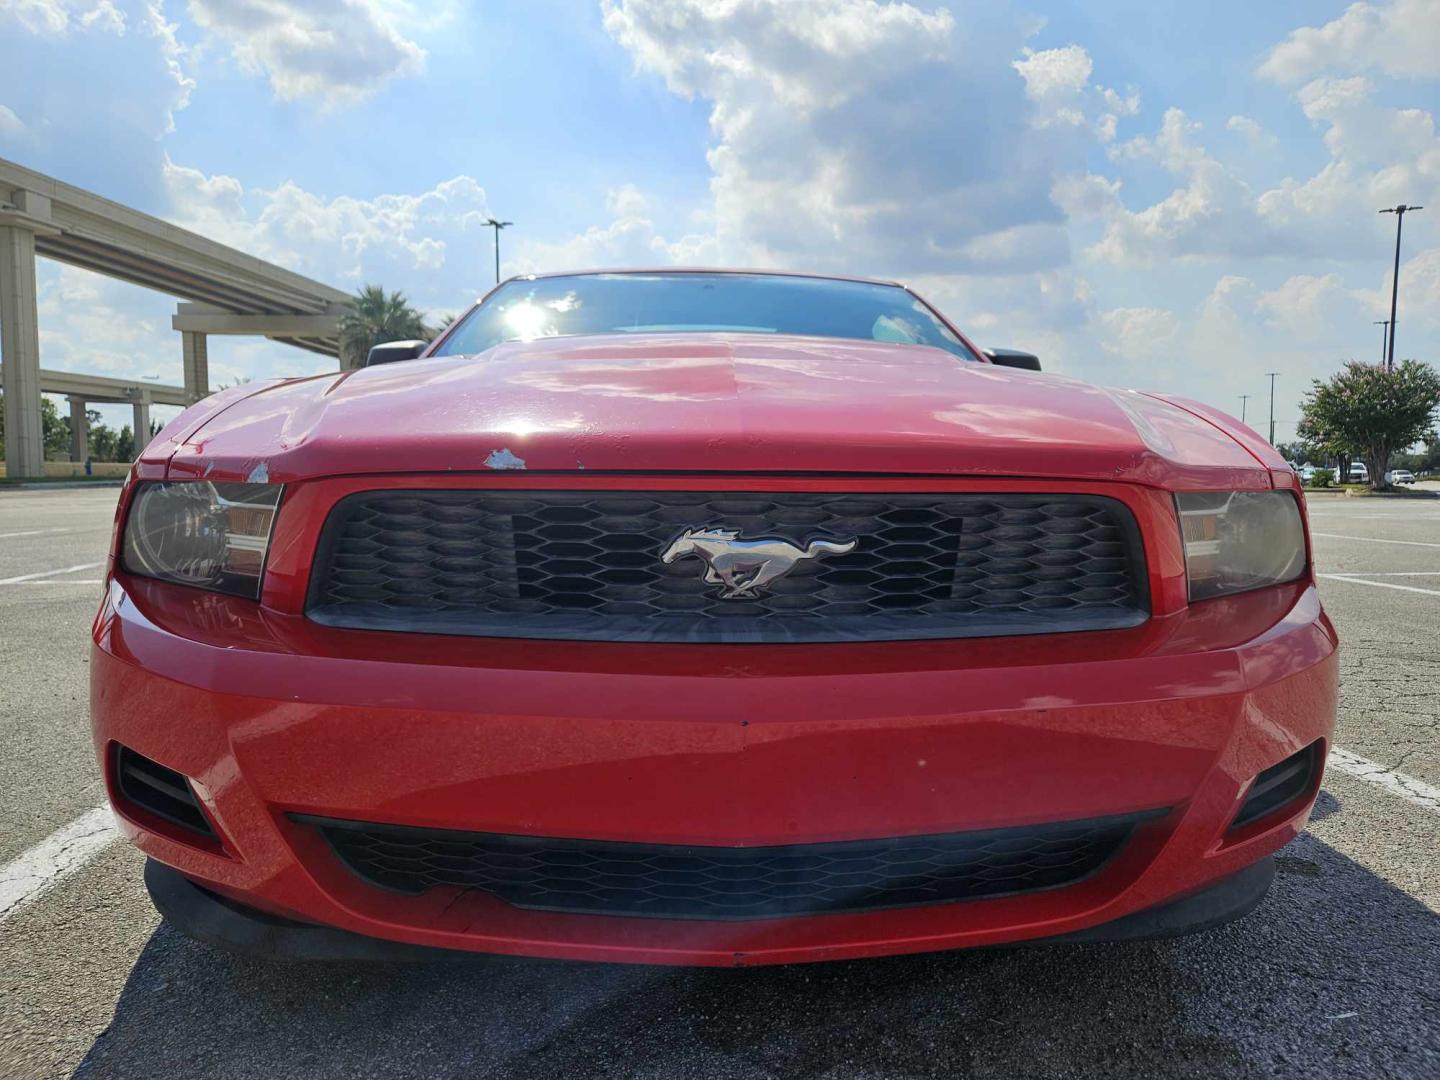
x: 260, y: 474
x: 503, y: 459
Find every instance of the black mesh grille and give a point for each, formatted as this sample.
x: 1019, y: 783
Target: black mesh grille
x: 697, y: 882
x: 588, y: 565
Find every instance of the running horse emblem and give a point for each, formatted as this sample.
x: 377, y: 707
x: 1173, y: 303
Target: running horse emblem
x: 743, y: 567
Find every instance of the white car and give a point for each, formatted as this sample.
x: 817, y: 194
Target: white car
x: 1400, y: 476
x: 1359, y: 474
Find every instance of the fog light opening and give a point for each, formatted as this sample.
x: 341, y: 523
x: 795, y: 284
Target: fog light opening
x: 159, y: 792
x: 1279, y: 786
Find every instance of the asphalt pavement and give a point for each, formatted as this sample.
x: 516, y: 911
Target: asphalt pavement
x: 1334, y: 975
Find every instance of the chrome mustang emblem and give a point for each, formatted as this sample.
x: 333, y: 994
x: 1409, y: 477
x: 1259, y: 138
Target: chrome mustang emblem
x: 743, y: 567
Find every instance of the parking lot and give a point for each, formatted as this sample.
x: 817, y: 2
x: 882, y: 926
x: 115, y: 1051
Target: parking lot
x: 1334, y: 975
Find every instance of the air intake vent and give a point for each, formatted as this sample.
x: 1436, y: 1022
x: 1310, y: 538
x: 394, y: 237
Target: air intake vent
x: 1278, y: 786
x: 705, y: 882
x: 159, y: 791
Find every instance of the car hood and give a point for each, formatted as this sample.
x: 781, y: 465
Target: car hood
x: 707, y: 403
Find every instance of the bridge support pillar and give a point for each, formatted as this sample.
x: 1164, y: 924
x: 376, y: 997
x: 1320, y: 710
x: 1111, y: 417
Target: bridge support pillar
x: 20, y: 350
x: 79, y: 430
x: 141, y: 426
x: 197, y: 364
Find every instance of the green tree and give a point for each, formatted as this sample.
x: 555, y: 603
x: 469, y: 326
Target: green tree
x: 377, y: 316
x: 102, y: 442
x: 55, y: 428
x: 1368, y: 412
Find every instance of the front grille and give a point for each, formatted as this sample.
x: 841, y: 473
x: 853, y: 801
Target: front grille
x: 587, y: 565
x: 701, y: 882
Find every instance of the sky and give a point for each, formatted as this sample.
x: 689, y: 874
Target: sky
x: 1179, y: 197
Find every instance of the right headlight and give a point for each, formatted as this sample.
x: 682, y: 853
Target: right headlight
x: 207, y: 535
x: 1240, y: 540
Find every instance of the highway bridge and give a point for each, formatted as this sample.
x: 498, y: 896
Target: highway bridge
x: 223, y: 291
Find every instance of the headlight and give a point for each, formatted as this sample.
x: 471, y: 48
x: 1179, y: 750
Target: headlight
x: 1239, y: 540
x: 194, y: 532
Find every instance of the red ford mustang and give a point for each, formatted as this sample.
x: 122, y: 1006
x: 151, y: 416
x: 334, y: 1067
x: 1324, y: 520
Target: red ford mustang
x: 707, y: 618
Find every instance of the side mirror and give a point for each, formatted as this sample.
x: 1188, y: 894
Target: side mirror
x: 388, y: 352
x: 1014, y: 358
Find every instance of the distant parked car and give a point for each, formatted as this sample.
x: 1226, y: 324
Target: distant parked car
x: 1359, y: 474
x: 1307, y: 472
x: 1400, y: 476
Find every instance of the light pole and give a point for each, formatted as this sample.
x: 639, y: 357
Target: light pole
x: 497, y: 226
x: 1244, y: 400
x: 1272, y: 375
x: 1399, y: 212
x: 1382, y: 323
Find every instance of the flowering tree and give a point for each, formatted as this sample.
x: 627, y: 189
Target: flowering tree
x: 1367, y: 412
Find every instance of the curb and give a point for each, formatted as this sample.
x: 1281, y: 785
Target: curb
x: 61, y: 485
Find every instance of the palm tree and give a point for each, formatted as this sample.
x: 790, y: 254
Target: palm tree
x: 377, y: 316
x: 438, y: 324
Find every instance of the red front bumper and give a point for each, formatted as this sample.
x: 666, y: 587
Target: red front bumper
x: 748, y: 745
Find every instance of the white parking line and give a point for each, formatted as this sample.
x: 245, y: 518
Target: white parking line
x: 52, y: 532
x: 59, y: 581
x: 1407, y: 787
x: 1379, y: 584
x: 1388, y: 573
x: 49, y: 573
x: 24, y: 878
x: 1375, y: 540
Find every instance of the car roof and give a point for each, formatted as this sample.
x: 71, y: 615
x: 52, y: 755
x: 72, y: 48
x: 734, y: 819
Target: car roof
x: 706, y: 270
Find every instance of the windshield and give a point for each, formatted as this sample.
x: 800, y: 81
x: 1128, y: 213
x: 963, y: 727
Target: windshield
x: 524, y: 309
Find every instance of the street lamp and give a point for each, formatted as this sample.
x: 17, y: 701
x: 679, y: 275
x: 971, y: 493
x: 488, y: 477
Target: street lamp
x: 497, y: 226
x: 1382, y: 323
x: 1272, y: 375
x: 1399, y: 212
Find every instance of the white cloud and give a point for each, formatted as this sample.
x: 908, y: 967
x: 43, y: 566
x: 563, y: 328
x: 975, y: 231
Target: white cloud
x: 631, y: 239
x: 1210, y: 214
x: 1303, y: 305
x: 394, y: 239
x: 173, y: 53
x: 1054, y: 80
x: 11, y: 126
x: 1252, y: 132
x: 846, y: 132
x: 1140, y: 333
x: 1378, y: 156
x: 333, y: 52
x: 1058, y: 82
x: 58, y: 17
x: 1401, y: 38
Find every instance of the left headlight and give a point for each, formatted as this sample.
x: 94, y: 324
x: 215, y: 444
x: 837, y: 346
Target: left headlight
x: 195, y: 532
x: 1240, y: 540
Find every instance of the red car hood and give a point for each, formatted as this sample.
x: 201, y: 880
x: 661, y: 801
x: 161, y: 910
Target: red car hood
x: 707, y: 402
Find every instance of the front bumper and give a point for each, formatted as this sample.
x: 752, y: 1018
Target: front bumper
x: 272, y: 717
x: 204, y: 916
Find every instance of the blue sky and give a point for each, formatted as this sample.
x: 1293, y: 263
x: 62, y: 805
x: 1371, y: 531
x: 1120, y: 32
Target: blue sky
x: 1173, y: 196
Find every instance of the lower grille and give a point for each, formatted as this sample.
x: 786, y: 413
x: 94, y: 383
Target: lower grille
x: 704, y: 882
x: 625, y: 565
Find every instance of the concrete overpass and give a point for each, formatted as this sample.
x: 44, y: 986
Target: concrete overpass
x: 83, y: 390
x: 225, y: 292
